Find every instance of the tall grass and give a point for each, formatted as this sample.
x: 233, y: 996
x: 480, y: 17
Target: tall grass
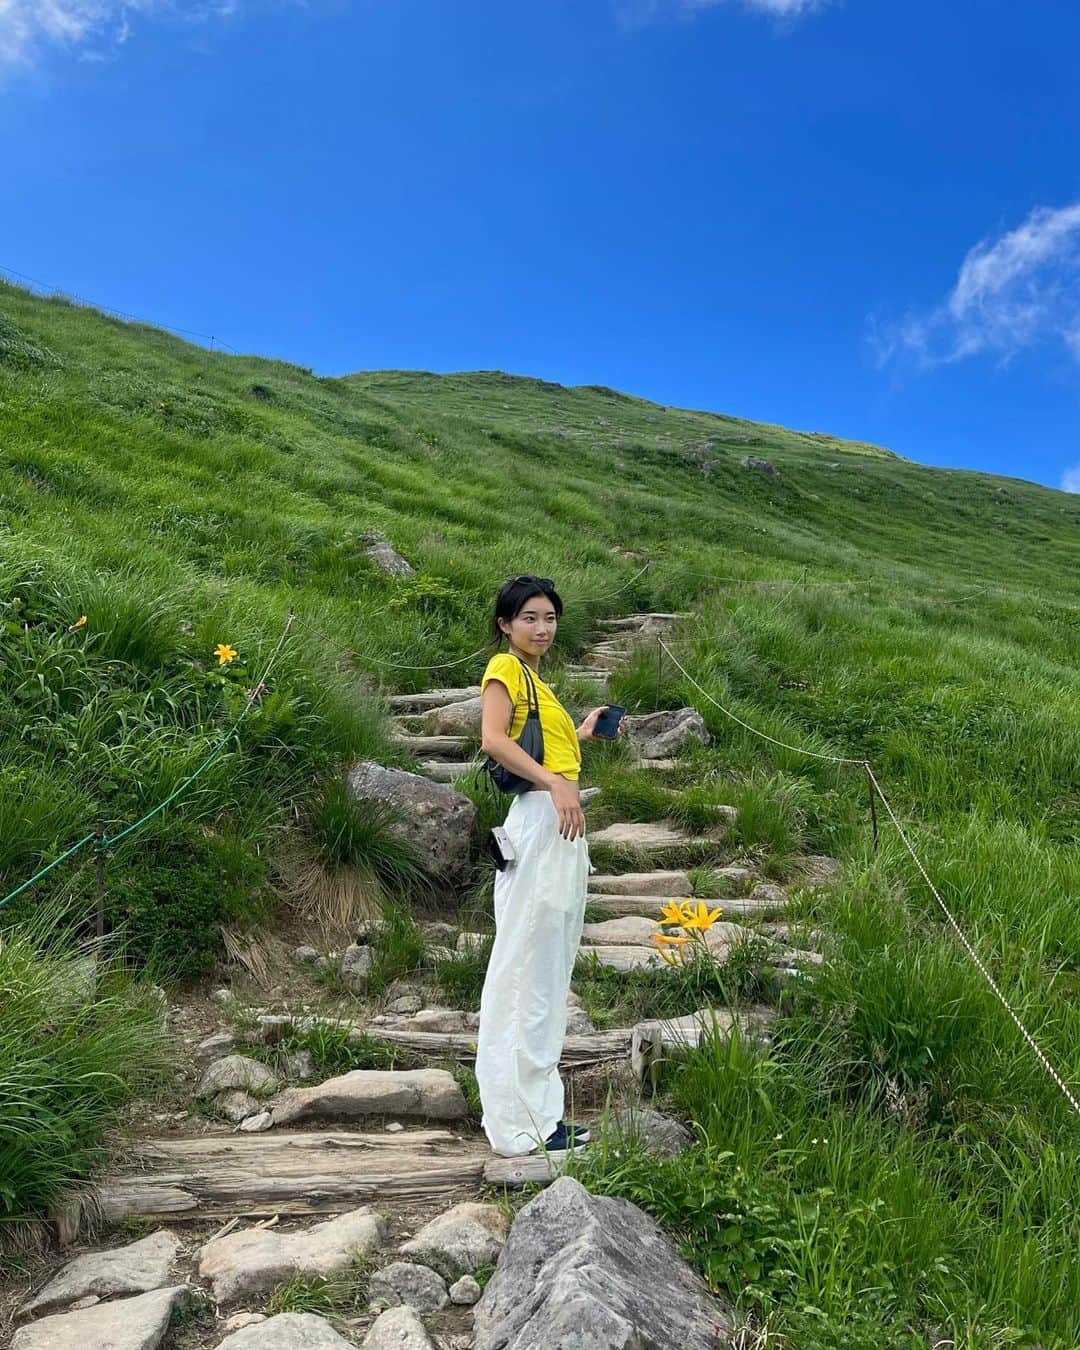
x: 79, y: 1038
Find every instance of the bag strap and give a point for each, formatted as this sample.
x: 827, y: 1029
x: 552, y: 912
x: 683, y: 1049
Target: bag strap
x: 532, y: 698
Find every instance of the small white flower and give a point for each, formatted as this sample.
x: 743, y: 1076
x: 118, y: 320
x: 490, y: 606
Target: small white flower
x: 777, y: 1136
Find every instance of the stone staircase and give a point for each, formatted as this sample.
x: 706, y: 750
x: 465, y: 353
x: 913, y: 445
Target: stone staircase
x: 367, y: 1138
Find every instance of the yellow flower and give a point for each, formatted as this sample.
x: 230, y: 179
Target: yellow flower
x: 77, y: 624
x: 668, y: 940
x: 699, y: 917
x: 224, y: 653
x: 672, y: 913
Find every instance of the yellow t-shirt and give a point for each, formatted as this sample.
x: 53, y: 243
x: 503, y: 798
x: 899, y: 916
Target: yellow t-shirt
x: 562, y: 749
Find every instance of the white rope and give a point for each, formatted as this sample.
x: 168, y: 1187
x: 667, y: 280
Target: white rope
x: 609, y: 595
x: 973, y: 954
x: 798, y: 749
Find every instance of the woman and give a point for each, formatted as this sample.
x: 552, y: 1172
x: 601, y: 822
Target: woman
x: 540, y: 898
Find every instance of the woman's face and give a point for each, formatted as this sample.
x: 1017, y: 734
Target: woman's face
x: 532, y: 629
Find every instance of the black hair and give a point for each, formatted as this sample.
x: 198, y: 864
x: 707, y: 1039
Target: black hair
x: 513, y: 596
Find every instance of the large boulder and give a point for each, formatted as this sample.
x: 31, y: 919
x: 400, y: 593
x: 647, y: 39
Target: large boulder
x: 249, y: 1262
x: 431, y: 1093
x: 758, y: 465
x: 660, y: 735
x: 233, y: 1073
x: 438, y: 821
x: 455, y: 719
x: 134, y: 1269
x: 580, y: 1271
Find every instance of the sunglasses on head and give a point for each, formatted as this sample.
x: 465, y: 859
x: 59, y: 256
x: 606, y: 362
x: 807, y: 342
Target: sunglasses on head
x: 545, y: 583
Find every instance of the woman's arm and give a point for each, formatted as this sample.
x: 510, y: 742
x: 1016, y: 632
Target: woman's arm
x: 496, y: 713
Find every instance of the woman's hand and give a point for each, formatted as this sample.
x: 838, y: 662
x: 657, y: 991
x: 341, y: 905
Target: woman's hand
x: 585, y: 731
x: 567, y: 803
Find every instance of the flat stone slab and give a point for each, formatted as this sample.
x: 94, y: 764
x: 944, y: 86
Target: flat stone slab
x: 430, y: 1093
x: 460, y: 1241
x: 433, y: 698
x: 630, y: 930
x: 138, y: 1323
x: 252, y: 1261
x: 287, y: 1331
x: 580, y: 1270
x: 625, y: 958
x: 134, y: 1269
x: 665, y: 884
x: 652, y: 836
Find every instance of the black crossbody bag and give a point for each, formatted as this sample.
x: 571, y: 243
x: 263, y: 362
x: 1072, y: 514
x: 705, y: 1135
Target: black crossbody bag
x: 531, y: 740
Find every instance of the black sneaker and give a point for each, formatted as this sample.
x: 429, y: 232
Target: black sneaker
x: 565, y: 1138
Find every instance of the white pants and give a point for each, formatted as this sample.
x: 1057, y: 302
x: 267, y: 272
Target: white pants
x: 539, y: 911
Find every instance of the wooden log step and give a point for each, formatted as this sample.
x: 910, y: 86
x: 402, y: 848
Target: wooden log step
x: 653, y: 1038
x: 535, y: 1169
x: 438, y: 746
x: 732, y: 907
x: 432, y: 698
x: 444, y: 770
x: 309, y: 1172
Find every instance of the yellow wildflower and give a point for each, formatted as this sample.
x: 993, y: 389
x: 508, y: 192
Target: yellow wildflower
x: 668, y: 940
x: 224, y: 653
x: 699, y: 917
x: 672, y: 913
x: 79, y: 623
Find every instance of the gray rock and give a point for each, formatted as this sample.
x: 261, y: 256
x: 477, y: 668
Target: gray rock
x: 416, y: 1286
x: 465, y: 1291
x: 286, y: 1331
x: 137, y: 1323
x: 438, y: 821
x: 355, y: 967
x: 570, y: 1275
x: 407, y: 1003
x: 300, y: 1064
x: 134, y: 1269
x: 215, y: 1046
x: 223, y: 996
x: 722, y: 938
x: 382, y: 555
x: 398, y: 1329
x: 256, y: 1259
x: 659, y: 1133
x: 756, y: 465
x: 817, y: 869
x: 661, y: 735
x: 644, y: 835
x: 304, y: 956
x: 579, y: 1023
x: 765, y: 890
x: 235, y: 1071
x: 454, y: 719
x: 460, y: 1241
x: 375, y: 1092
x: 438, y: 1019
x: 238, y: 1321
x: 237, y: 1106
x: 440, y: 933
x: 256, y: 1124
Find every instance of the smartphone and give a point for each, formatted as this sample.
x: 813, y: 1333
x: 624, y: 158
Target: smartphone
x: 607, y: 724
x: 501, y: 848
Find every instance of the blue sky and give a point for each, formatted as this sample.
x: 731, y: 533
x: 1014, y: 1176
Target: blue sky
x: 856, y: 216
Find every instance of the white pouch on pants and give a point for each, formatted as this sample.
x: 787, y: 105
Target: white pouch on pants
x: 539, y: 912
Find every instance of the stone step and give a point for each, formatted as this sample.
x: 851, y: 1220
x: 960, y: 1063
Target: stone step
x: 739, y: 907
x: 660, y: 765
x: 652, y: 837
x: 639, y: 620
x: 666, y: 884
x: 440, y: 747
x: 651, y: 1039
x: 289, y: 1173
x: 432, y: 698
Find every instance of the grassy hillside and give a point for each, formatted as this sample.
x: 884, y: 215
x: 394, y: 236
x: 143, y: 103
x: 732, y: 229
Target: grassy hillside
x: 900, y: 1166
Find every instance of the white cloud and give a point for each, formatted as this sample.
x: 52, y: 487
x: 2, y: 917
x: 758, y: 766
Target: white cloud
x: 652, y: 11
x: 29, y: 27
x: 1012, y: 293
x: 1070, y: 479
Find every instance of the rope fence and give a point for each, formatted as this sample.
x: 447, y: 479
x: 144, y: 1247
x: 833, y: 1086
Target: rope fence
x: 876, y: 791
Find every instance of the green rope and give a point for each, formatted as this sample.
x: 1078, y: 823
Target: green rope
x: 104, y: 841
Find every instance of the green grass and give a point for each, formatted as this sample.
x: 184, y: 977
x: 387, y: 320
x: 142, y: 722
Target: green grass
x: 180, y: 498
